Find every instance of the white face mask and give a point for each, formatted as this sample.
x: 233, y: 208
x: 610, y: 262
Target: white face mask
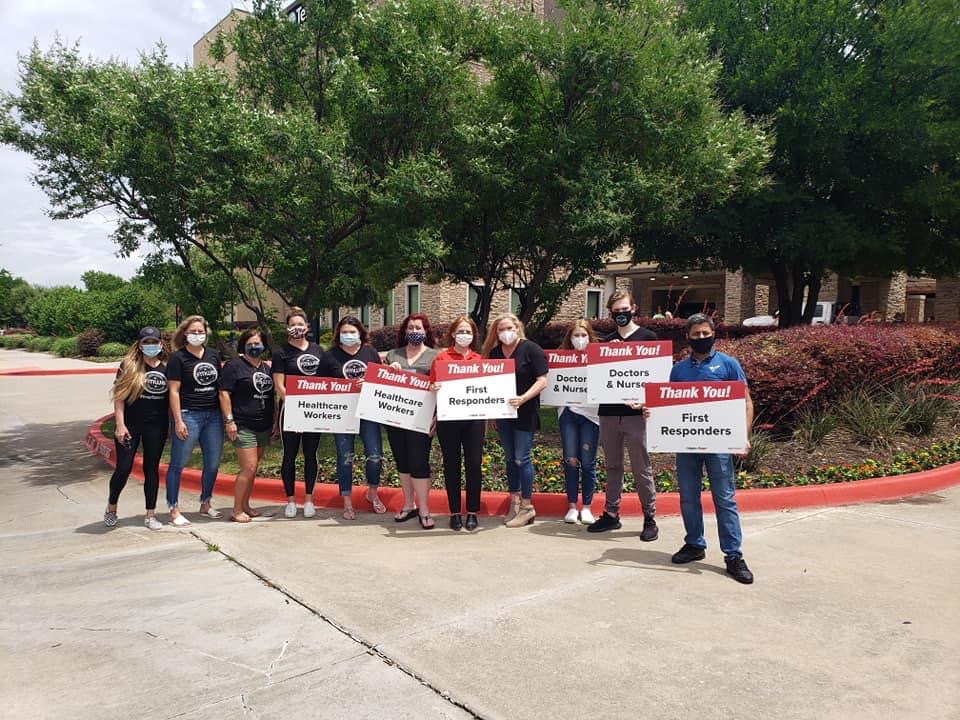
x: 463, y: 339
x: 508, y: 337
x: 196, y: 339
x: 349, y: 339
x: 579, y: 342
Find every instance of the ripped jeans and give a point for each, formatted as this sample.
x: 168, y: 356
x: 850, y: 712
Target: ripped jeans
x: 517, y: 445
x: 579, y: 437
x: 372, y: 448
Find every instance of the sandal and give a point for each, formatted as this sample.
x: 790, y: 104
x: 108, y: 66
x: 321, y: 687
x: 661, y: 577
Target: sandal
x: 378, y: 507
x: 424, y: 519
x: 253, y: 513
x: 405, y: 515
x: 349, y: 514
x: 241, y: 518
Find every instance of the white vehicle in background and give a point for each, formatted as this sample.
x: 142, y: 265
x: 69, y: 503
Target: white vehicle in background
x: 822, y: 315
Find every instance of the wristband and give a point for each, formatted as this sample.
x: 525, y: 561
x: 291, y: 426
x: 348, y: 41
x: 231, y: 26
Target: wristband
x: 228, y: 418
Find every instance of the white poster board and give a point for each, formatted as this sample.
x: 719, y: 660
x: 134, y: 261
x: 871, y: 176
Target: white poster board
x: 399, y: 398
x: 697, y: 417
x: 476, y: 389
x: 316, y: 404
x: 617, y: 372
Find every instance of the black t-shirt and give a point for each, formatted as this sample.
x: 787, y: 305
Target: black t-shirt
x: 291, y: 360
x: 530, y: 362
x: 638, y: 335
x: 251, y: 393
x: 344, y: 365
x: 151, y: 408
x: 199, y: 378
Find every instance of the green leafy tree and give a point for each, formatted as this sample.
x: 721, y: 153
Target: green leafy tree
x: 16, y: 295
x: 862, y: 100
x: 98, y: 281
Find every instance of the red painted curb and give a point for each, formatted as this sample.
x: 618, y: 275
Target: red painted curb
x: 39, y: 372
x: 555, y: 504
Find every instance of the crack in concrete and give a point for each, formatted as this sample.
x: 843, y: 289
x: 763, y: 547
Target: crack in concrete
x: 60, y: 490
x: 371, y: 649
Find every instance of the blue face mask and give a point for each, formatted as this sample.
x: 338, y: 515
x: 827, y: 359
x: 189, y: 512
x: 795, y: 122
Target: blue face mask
x: 151, y: 350
x: 416, y: 337
x: 349, y: 339
x: 254, y: 351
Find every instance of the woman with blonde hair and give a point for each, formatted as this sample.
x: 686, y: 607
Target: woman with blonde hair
x: 141, y: 415
x: 579, y: 435
x: 506, y: 340
x: 193, y: 374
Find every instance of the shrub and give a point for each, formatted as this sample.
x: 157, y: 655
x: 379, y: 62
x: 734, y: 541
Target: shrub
x: 813, y: 425
x: 89, y: 342
x: 112, y: 349
x: 920, y: 411
x: 11, y: 342
x: 805, y: 367
x: 40, y: 344
x: 65, y: 347
x: 871, y: 415
x: 760, y: 447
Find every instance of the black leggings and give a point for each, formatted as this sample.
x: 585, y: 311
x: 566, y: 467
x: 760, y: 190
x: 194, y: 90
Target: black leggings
x: 288, y: 467
x: 467, y: 435
x: 411, y: 451
x: 153, y: 438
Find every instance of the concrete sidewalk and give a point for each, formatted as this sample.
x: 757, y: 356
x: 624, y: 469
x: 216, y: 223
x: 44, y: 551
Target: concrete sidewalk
x: 855, y: 612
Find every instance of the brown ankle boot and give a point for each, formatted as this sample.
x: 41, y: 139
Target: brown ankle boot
x: 524, y: 516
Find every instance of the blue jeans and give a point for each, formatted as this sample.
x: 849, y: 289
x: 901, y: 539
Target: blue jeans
x: 205, y: 427
x: 579, y: 437
x: 517, y: 445
x: 722, y: 487
x: 372, y: 448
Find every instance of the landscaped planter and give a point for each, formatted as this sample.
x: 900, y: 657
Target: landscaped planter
x: 327, y: 495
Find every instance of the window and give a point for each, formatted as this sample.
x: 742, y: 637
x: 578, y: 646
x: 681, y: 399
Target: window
x: 413, y: 298
x: 388, y: 309
x: 515, y: 302
x: 593, y: 304
x: 365, y: 315
x: 473, y: 297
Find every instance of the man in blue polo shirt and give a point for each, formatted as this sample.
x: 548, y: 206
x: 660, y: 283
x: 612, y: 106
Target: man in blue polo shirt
x: 706, y: 364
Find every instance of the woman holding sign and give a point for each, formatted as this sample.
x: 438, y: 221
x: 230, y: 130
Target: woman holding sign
x: 246, y: 400
x: 142, y: 418
x: 193, y: 376
x: 298, y: 357
x: 411, y: 449
x: 579, y: 435
x: 460, y: 440
x: 348, y: 358
x: 505, y: 340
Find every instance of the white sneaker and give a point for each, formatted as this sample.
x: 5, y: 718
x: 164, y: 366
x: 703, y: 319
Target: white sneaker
x: 571, y: 516
x: 152, y: 523
x: 291, y: 510
x: 308, y: 509
x: 586, y: 517
x: 110, y: 518
x: 212, y: 513
x: 180, y: 521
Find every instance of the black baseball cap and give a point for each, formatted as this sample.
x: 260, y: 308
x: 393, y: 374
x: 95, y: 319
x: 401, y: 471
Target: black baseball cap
x: 150, y: 332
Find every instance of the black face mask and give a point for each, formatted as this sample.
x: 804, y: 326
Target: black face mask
x: 702, y: 346
x: 622, y: 317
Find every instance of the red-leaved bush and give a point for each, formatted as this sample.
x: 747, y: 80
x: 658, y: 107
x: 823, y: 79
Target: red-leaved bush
x: 805, y: 366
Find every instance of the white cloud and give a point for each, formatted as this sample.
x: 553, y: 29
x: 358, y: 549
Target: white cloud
x: 50, y: 252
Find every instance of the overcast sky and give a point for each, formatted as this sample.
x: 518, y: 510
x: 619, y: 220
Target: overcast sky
x: 41, y: 250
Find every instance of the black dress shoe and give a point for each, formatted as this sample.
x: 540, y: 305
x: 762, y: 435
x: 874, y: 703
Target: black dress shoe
x: 688, y: 553
x: 471, y: 521
x: 606, y: 522
x: 456, y: 522
x: 738, y: 569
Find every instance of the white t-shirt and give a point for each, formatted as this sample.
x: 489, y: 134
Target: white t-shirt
x: 587, y: 411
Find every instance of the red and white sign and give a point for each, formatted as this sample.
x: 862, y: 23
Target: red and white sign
x: 400, y: 398
x: 697, y: 417
x: 618, y: 371
x: 566, y: 378
x: 316, y: 404
x: 476, y: 389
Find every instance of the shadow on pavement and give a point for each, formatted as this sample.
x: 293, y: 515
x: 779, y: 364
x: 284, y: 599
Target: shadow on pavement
x: 50, y: 454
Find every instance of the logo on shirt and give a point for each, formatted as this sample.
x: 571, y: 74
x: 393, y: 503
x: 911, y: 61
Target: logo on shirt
x: 204, y: 373
x: 713, y: 368
x: 308, y: 364
x: 155, y: 382
x: 354, y: 369
x: 262, y: 383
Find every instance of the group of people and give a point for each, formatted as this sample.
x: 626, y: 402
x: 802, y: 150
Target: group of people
x: 205, y: 401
